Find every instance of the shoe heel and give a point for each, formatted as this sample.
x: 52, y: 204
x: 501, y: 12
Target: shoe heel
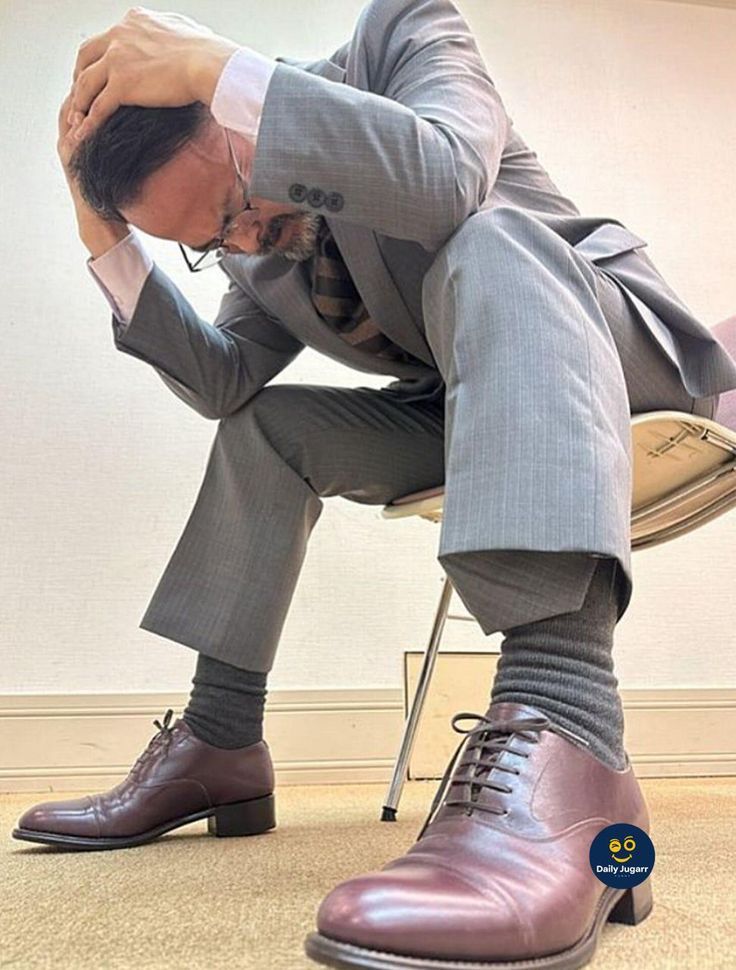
x: 243, y: 818
x: 634, y: 906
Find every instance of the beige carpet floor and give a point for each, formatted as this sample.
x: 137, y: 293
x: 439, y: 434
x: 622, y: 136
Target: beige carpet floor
x: 194, y: 902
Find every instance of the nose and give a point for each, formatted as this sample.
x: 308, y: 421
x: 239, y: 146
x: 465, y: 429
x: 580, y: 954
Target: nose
x: 244, y: 239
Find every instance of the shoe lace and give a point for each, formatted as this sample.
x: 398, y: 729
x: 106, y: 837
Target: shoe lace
x: 483, y: 745
x: 162, y: 738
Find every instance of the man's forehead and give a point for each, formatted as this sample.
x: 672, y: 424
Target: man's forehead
x: 184, y: 199
x: 195, y: 156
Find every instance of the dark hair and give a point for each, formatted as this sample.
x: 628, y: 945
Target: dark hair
x: 112, y: 163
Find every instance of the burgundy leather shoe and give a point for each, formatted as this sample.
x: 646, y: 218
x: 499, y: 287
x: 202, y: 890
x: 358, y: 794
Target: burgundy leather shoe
x: 500, y: 874
x: 177, y: 779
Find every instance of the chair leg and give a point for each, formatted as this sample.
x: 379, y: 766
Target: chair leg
x: 412, y: 722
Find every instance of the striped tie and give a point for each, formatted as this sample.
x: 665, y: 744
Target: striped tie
x: 339, y: 304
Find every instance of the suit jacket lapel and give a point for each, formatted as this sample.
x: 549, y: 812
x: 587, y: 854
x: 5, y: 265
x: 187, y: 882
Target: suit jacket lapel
x: 374, y: 282
x: 282, y: 287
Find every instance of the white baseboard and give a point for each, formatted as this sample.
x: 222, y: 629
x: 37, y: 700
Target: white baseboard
x: 88, y: 741
x: 668, y: 732
x: 70, y: 742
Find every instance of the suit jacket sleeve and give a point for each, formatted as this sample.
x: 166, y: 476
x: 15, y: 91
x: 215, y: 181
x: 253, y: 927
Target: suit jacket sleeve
x: 412, y: 155
x: 214, y: 368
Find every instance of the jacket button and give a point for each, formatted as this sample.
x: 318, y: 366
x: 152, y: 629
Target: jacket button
x: 334, y: 201
x: 297, y: 192
x: 316, y: 197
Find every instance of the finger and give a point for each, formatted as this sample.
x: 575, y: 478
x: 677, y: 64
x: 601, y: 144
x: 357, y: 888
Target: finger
x: 68, y: 144
x: 88, y: 85
x: 67, y: 116
x: 101, y: 108
x: 63, y: 116
x: 90, y: 51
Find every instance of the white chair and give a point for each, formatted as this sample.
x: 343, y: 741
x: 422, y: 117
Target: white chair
x: 684, y: 475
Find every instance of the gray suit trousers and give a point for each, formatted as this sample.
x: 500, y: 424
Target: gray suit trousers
x: 543, y: 357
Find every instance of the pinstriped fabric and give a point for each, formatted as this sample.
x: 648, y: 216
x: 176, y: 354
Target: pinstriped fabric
x: 543, y: 359
x: 230, y: 581
x: 540, y: 375
x: 336, y: 299
x: 227, y: 589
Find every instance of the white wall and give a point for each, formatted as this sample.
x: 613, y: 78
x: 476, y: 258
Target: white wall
x: 629, y: 105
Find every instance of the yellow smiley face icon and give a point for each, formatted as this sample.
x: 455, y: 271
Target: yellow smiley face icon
x: 628, y: 846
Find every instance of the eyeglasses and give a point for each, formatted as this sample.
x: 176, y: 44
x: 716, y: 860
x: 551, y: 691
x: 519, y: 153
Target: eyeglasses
x: 216, y: 251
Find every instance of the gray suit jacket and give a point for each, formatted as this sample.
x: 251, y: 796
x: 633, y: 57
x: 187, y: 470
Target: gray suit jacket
x: 395, y: 139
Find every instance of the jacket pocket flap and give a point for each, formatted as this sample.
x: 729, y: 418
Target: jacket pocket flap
x: 607, y: 240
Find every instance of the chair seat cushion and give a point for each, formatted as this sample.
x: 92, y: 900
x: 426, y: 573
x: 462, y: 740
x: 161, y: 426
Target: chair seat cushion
x: 418, y: 496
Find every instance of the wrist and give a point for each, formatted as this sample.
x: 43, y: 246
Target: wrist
x: 100, y: 235
x: 207, y: 67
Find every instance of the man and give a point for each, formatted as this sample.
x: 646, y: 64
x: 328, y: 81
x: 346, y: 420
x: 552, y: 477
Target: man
x: 379, y: 206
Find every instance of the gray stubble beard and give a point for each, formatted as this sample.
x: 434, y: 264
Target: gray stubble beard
x: 304, y: 235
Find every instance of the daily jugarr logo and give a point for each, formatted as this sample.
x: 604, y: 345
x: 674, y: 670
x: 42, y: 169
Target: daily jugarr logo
x: 622, y: 855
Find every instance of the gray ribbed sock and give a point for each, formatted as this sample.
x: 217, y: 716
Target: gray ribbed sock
x: 563, y: 665
x: 226, y: 704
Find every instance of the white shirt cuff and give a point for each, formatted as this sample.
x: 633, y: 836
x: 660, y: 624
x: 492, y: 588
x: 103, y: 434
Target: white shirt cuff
x: 241, y: 90
x: 120, y: 273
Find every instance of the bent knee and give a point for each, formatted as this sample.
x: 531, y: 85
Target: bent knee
x: 480, y: 238
x: 294, y: 420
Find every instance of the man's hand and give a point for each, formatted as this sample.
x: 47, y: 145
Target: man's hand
x: 96, y: 233
x: 149, y: 59
x: 65, y: 146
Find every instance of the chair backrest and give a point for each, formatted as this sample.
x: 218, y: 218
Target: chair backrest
x: 725, y: 332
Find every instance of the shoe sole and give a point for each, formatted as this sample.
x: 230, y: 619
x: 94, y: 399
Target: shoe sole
x: 252, y: 817
x: 629, y: 906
